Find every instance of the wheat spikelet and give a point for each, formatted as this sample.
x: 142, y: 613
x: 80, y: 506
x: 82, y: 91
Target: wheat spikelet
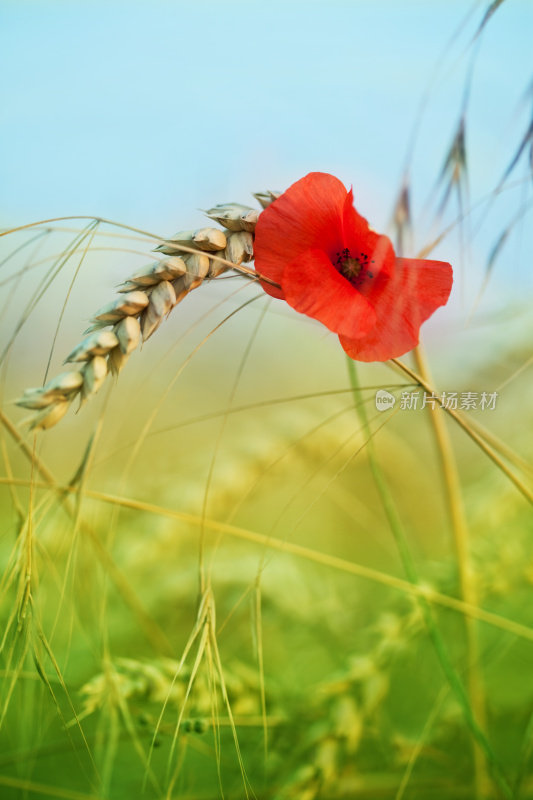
x: 265, y: 198
x: 48, y: 417
x: 145, y: 300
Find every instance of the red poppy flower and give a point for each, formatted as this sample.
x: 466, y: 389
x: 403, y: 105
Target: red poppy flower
x: 331, y: 266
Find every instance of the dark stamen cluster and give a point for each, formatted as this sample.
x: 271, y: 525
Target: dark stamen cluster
x: 354, y: 268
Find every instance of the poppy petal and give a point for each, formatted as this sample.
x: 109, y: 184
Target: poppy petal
x: 416, y: 289
x: 313, y: 286
x: 308, y: 215
x: 354, y: 224
x: 360, y: 239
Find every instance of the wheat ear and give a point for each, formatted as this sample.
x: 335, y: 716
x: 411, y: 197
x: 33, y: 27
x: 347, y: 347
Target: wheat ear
x: 144, y: 301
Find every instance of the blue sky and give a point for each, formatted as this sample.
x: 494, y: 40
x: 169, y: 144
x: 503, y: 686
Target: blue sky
x: 146, y: 111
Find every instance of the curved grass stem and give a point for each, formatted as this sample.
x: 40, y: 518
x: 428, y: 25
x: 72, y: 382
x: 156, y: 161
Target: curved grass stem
x: 476, y: 437
x: 467, y: 582
x: 396, y: 527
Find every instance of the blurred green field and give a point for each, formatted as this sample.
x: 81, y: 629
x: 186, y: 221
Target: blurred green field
x: 305, y: 671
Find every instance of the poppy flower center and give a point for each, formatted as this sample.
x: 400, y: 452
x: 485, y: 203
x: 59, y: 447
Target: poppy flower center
x: 353, y: 268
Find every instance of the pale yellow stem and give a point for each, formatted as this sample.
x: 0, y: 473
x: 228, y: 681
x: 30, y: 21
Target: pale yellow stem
x: 467, y: 580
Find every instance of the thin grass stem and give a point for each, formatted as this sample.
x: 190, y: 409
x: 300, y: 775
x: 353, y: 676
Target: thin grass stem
x: 441, y: 652
x: 469, y: 430
x: 431, y: 595
x: 467, y: 582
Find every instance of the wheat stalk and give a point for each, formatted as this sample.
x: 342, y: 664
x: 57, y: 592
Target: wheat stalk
x: 145, y: 300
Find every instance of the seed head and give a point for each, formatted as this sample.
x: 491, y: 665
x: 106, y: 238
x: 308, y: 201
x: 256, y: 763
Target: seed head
x: 97, y: 344
x: 128, y: 333
x: 234, y: 216
x: 162, y: 301
x: 94, y: 374
x: 50, y: 416
x: 57, y: 388
x: 144, y: 300
x: 208, y: 239
x: 128, y: 305
x: 266, y: 198
x: 240, y: 247
x: 153, y: 273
